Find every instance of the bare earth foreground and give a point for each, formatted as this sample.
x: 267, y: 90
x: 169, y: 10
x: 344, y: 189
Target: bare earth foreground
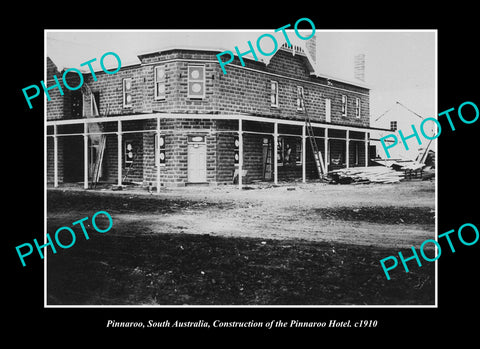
x: 299, y: 244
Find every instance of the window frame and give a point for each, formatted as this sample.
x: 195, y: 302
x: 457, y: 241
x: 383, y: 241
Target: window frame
x: 280, y: 151
x: 357, y: 108
x: 76, y: 104
x: 276, y: 104
x: 357, y: 154
x: 298, y: 152
x: 124, y: 96
x: 159, y: 149
x: 295, y: 155
x: 328, y: 110
x: 396, y: 125
x: 156, y: 82
x: 125, y: 157
x: 300, y: 98
x: 344, y: 105
x: 203, y: 81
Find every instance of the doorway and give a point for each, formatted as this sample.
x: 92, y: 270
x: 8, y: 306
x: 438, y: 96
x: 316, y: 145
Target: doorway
x: 197, y: 159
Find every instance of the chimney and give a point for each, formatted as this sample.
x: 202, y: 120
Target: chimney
x: 51, y: 69
x: 311, y: 45
x: 359, y: 67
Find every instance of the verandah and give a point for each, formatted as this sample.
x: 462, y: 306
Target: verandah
x: 326, y: 134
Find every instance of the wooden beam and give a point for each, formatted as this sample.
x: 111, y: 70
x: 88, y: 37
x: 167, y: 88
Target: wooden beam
x: 119, y: 153
x: 240, y: 154
x: 156, y: 151
x: 304, y: 154
x: 347, y: 149
x: 55, y: 157
x: 275, y: 153
x: 325, y: 143
x: 245, y: 117
x: 366, y: 149
x: 85, y: 156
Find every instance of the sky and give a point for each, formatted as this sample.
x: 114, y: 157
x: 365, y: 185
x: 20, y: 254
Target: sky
x: 400, y: 65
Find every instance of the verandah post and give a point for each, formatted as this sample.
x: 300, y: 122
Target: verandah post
x: 275, y: 153
x: 304, y: 154
x: 55, y: 156
x: 119, y: 153
x: 85, y: 155
x: 156, y: 151
x: 240, y: 153
x: 325, y: 143
x: 347, y: 149
x: 366, y: 149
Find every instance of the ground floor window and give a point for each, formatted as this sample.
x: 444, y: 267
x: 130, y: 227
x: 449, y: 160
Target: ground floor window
x: 336, y: 153
x: 159, y: 145
x: 289, y: 151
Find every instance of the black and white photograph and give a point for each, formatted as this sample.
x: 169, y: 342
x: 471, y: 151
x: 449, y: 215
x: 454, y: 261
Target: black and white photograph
x: 286, y: 173
x: 259, y: 182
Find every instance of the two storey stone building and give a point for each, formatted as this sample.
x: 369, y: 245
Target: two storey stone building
x: 176, y: 119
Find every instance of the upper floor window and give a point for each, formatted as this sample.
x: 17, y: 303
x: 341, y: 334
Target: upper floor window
x: 160, y: 82
x: 77, y: 104
x: 274, y: 93
x: 196, y: 81
x: 127, y: 92
x: 393, y: 125
x: 328, y: 110
x: 300, y: 99
x: 344, y: 105
x: 357, y: 107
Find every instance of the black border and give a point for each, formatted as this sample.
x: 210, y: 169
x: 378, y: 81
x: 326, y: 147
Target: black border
x: 458, y: 82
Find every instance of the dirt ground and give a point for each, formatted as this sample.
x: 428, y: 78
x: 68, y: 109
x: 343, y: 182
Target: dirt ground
x: 386, y: 215
x: 291, y: 244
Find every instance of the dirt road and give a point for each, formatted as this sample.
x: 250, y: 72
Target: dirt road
x: 390, y: 215
x: 295, y: 244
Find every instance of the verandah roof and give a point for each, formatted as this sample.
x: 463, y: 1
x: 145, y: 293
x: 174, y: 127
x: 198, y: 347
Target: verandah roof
x: 248, y: 117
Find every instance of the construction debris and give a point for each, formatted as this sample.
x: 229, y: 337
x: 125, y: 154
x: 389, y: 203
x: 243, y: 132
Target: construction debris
x: 428, y: 173
x: 411, y: 169
x: 374, y: 174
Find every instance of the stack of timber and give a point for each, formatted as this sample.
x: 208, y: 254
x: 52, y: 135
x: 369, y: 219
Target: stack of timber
x: 407, y: 165
x: 374, y: 174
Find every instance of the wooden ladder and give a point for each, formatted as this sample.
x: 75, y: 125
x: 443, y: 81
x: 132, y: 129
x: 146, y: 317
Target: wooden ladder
x: 130, y: 167
x: 319, y: 165
x: 98, y: 162
x: 102, y: 143
x: 422, y: 156
x: 267, y: 163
